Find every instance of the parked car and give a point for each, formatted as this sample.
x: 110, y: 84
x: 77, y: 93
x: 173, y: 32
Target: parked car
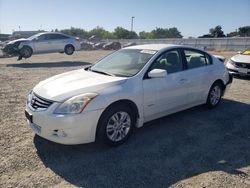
x: 124, y: 90
x: 239, y: 64
x: 42, y: 43
x: 112, y: 46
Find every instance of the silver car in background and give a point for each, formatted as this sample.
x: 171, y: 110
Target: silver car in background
x: 43, y: 43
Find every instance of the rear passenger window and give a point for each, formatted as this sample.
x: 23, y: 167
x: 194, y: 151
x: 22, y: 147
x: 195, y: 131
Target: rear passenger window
x: 196, y: 59
x: 58, y: 36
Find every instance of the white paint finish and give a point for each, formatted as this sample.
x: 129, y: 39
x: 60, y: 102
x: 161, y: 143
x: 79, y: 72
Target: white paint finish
x: 154, y: 97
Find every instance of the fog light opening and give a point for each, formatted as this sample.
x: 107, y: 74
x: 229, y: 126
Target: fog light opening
x: 59, y: 133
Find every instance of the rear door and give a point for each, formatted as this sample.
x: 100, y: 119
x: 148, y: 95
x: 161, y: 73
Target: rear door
x: 59, y: 41
x: 199, y: 71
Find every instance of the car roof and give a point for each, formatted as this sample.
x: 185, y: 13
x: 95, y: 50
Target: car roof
x: 50, y: 33
x: 156, y: 47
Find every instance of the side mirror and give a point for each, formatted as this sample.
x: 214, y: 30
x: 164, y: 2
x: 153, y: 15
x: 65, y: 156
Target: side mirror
x: 157, y: 73
x: 239, y: 52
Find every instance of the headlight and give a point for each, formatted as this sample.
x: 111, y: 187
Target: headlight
x: 75, y: 105
x: 231, y: 62
x: 29, y: 98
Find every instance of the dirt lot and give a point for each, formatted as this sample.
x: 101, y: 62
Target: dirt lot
x: 193, y: 148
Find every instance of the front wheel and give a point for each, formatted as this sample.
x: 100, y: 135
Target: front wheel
x: 214, y: 95
x: 26, y: 52
x: 115, y: 125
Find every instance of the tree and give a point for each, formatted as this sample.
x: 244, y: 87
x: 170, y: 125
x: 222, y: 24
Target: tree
x: 217, y: 32
x: 76, y: 32
x: 166, y: 33
x: 146, y: 35
x: 244, y: 31
x: 122, y: 33
x: 233, y: 34
x: 101, y: 33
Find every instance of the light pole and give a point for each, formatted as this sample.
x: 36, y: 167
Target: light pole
x: 132, y: 23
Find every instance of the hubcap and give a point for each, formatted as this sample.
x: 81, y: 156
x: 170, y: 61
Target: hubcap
x: 26, y: 52
x: 69, y: 50
x: 215, y: 95
x: 118, y: 126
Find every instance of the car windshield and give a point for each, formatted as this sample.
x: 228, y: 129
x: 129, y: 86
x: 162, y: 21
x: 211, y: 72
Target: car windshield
x: 125, y: 62
x: 247, y: 52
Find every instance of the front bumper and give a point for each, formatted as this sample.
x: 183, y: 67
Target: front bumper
x: 64, y: 129
x: 237, y: 70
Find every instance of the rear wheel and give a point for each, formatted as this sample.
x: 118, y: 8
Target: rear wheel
x: 115, y: 125
x: 69, y: 49
x: 214, y: 95
x: 26, y: 52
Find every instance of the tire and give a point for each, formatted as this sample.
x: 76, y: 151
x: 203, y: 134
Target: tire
x: 26, y: 52
x: 69, y: 49
x: 214, y: 95
x: 115, y: 125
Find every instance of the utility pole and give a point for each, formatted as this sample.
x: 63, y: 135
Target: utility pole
x: 132, y: 23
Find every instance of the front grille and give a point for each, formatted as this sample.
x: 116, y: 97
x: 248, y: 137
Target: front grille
x: 39, y: 103
x: 243, y: 65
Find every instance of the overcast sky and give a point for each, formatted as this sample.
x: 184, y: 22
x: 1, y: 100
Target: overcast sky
x: 191, y: 17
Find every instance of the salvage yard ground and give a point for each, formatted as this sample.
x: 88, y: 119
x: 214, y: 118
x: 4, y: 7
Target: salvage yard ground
x: 194, y: 148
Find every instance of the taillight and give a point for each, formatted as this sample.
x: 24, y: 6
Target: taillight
x: 77, y: 39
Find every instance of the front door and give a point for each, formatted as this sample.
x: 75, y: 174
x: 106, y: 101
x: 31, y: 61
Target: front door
x: 166, y: 94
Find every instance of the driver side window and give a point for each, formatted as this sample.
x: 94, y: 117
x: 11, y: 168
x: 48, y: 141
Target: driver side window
x: 169, y: 61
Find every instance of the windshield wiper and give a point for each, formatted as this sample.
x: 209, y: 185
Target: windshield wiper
x: 101, y: 72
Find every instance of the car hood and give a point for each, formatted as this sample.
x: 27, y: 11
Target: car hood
x: 18, y: 40
x: 63, y: 86
x: 241, y: 58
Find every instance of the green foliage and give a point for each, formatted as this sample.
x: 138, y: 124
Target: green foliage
x: 244, y: 31
x: 146, y: 35
x: 161, y: 33
x: 217, y: 32
x: 101, y: 33
x: 76, y: 32
x: 166, y: 33
x: 122, y: 33
x: 233, y: 34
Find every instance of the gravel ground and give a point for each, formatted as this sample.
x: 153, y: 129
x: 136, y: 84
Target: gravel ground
x: 194, y: 148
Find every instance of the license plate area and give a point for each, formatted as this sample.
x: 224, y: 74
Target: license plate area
x: 242, y: 70
x: 29, y: 116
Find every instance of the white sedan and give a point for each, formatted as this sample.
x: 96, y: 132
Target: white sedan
x: 124, y: 90
x: 239, y: 64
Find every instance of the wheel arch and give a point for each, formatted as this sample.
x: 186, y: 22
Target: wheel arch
x: 220, y: 81
x: 127, y: 102
x: 28, y: 46
x: 69, y: 44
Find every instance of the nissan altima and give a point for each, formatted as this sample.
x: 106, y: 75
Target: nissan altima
x: 121, y: 92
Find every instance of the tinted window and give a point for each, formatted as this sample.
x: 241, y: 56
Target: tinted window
x: 196, y: 59
x: 169, y: 61
x: 43, y: 37
x: 57, y: 36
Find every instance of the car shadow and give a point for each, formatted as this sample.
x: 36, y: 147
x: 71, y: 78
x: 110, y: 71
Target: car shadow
x: 161, y: 153
x: 49, y: 64
x: 241, y: 77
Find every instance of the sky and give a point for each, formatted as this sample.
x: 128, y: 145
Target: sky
x: 192, y: 17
